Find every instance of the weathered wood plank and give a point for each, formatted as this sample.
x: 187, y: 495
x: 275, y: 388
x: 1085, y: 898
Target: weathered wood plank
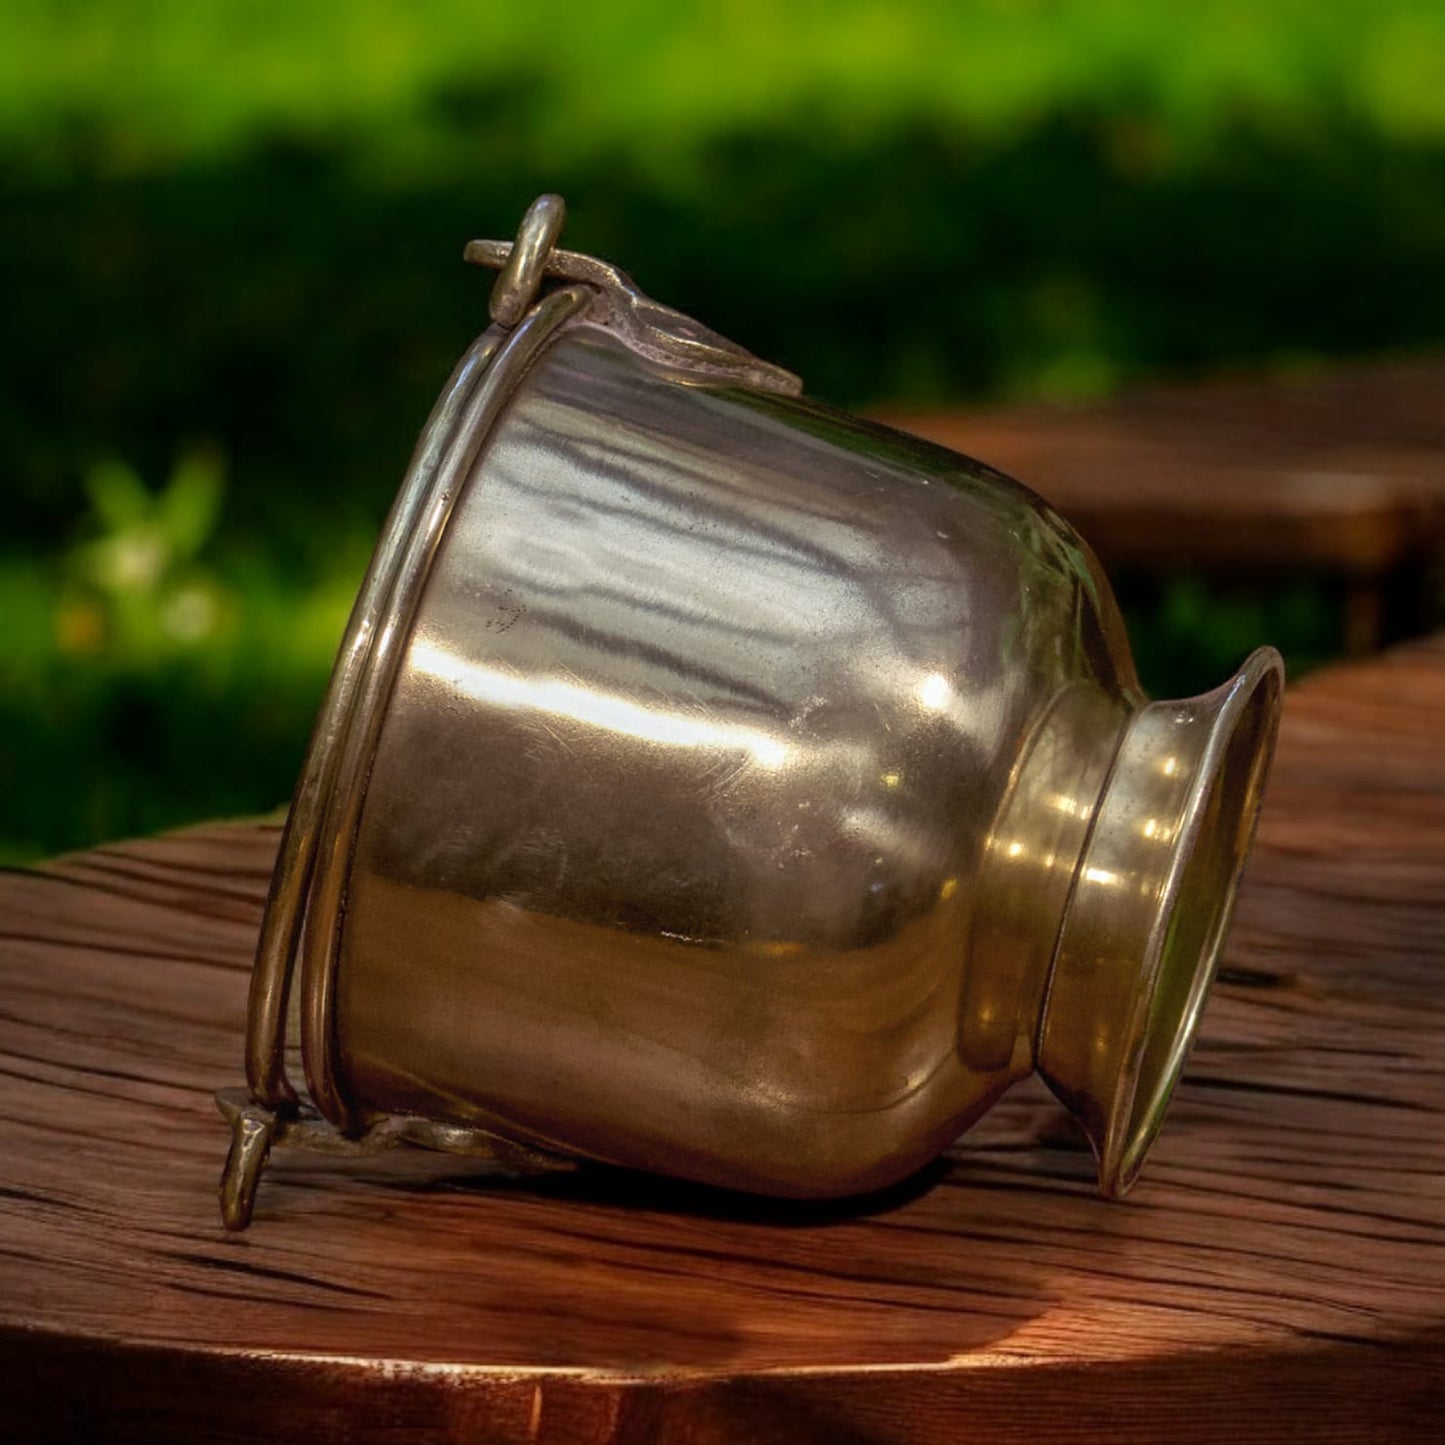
x: 1281, y: 1267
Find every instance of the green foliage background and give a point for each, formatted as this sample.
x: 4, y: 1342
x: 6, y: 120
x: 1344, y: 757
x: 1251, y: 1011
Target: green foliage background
x: 231, y: 235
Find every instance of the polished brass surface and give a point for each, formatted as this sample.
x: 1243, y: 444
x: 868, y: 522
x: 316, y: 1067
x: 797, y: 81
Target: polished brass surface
x: 706, y: 766
x: 727, y: 787
x: 352, y: 752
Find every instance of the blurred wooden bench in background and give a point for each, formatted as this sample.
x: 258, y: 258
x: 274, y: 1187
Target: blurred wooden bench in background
x: 1339, y: 474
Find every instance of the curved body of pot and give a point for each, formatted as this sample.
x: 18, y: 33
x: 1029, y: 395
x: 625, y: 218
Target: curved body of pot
x: 741, y: 791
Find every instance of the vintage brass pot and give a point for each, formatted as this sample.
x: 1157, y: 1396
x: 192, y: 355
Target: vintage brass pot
x: 719, y: 785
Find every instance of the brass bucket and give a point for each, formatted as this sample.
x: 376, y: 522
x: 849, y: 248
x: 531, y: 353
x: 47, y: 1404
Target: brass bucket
x: 716, y: 784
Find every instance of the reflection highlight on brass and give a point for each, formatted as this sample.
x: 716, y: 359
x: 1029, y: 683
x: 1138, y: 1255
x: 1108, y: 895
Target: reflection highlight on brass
x: 722, y: 786
x: 553, y: 697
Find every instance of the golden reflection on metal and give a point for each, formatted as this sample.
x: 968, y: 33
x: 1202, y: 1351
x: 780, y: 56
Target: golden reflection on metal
x: 715, y: 784
x: 934, y: 692
x: 558, y: 699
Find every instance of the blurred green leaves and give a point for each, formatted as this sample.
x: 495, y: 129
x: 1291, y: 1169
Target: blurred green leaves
x: 150, y: 674
x: 138, y: 591
x: 243, y: 222
x: 153, y: 83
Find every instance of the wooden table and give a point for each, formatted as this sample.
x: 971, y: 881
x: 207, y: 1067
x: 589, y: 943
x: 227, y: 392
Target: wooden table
x: 1278, y: 1275
x: 1340, y: 474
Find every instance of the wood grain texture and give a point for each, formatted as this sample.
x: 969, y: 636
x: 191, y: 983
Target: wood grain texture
x: 1280, y: 1269
x: 1343, y: 472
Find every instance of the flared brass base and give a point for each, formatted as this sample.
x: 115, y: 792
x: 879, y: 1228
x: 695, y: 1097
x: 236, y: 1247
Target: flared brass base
x: 1150, y: 906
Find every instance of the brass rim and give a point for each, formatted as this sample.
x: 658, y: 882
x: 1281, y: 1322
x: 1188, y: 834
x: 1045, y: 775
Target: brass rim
x: 1195, y: 911
x: 355, y: 748
x: 301, y: 923
x: 291, y: 876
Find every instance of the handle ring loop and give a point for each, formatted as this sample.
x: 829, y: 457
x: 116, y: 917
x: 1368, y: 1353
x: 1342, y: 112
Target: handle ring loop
x: 516, y: 288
